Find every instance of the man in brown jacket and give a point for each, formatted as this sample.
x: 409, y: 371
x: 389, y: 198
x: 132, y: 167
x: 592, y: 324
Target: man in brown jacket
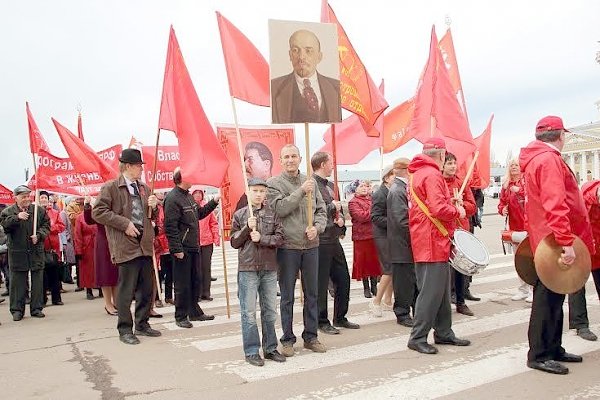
x: 122, y: 208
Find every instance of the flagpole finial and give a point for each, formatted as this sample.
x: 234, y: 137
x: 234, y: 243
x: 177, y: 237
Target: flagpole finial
x: 79, y: 108
x: 448, y: 20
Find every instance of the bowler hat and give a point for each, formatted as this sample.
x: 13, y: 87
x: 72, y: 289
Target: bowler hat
x: 131, y: 156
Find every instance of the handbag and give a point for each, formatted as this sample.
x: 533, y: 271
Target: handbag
x: 50, y: 257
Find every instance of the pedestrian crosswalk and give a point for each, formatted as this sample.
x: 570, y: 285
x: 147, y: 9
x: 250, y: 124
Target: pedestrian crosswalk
x: 374, y: 362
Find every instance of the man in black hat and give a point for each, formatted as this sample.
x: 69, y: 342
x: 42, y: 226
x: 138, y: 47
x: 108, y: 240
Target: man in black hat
x: 25, y: 252
x: 123, y: 208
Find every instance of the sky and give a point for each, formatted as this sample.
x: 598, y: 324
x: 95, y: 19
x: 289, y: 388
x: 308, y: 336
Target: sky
x: 520, y: 60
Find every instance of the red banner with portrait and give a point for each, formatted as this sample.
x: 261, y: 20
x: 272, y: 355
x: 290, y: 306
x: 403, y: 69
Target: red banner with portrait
x: 167, y: 160
x: 58, y: 175
x: 262, y: 145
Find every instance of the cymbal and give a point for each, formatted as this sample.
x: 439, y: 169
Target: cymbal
x: 524, y: 262
x: 557, y: 276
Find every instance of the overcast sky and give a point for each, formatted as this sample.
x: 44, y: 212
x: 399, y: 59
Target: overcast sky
x: 519, y: 59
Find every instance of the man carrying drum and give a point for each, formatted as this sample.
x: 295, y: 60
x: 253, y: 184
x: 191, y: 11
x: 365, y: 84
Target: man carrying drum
x: 431, y: 215
x: 553, y: 205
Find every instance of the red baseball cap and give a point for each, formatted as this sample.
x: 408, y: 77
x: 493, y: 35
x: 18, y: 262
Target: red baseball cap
x: 550, y: 123
x: 434, y: 143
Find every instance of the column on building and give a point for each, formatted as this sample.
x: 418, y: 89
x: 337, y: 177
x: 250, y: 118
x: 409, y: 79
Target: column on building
x: 583, y: 170
x: 572, y: 161
x: 596, y: 170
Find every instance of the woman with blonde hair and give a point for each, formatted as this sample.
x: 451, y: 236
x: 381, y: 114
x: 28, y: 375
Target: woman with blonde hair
x: 512, y: 206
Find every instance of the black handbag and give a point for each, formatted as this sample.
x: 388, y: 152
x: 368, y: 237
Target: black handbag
x: 50, y: 257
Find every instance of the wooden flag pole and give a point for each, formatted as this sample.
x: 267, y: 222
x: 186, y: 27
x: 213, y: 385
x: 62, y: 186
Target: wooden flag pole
x: 238, y: 136
x: 336, y: 189
x: 309, y: 215
x: 154, y: 166
x: 222, y: 226
x: 37, y: 197
x: 469, y: 173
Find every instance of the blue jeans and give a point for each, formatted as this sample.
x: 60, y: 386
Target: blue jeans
x: 290, y: 262
x: 263, y: 284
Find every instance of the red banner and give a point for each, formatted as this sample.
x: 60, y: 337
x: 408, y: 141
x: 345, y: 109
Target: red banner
x: 59, y: 175
x: 6, y: 195
x: 262, y: 146
x: 167, y: 161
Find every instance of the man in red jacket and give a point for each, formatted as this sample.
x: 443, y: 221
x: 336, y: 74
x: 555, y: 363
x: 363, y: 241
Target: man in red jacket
x: 553, y: 205
x: 431, y: 215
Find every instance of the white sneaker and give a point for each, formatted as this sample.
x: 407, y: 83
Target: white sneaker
x: 529, y: 298
x: 519, y: 296
x: 387, y: 307
x: 375, y: 309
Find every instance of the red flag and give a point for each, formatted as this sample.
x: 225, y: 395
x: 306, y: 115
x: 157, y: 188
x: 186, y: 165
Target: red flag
x: 359, y: 94
x: 202, y: 158
x: 247, y: 69
x: 135, y: 144
x: 449, y: 56
x: 84, y: 159
x: 437, y: 112
x: 79, y: 127
x: 6, y: 195
x: 352, y: 143
x: 36, y: 140
x: 483, y: 160
x: 395, y: 125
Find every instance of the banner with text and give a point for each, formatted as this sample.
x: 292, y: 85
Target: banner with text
x: 166, y: 161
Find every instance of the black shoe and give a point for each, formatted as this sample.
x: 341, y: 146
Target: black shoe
x: 346, y: 324
x: 17, y: 316
x: 5, y: 293
x: 129, y: 338
x: 275, y: 356
x: 155, y: 315
x: 424, y: 348
x: 453, y: 341
x: 58, y: 303
x: 100, y: 295
x: 256, y: 360
x: 549, y: 366
x: 78, y: 289
x: 470, y: 297
x: 213, y: 279
x: 406, y: 321
x: 464, y: 309
x: 70, y: 282
x: 568, y: 357
x: 184, y: 324
x: 328, y: 329
x: 203, y: 317
x: 586, y: 334
x: 38, y: 314
x: 207, y: 298
x: 368, y: 294
x: 2, y: 300
x: 89, y: 294
x: 148, y: 332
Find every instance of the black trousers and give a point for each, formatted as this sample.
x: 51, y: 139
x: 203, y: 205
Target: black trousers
x: 187, y: 290
x: 166, y: 274
x: 135, y: 277
x: 206, y: 253
x: 333, y: 265
x: 405, y: 289
x: 578, y: 317
x: 19, y: 286
x: 460, y: 282
x: 52, y: 281
x: 545, y: 324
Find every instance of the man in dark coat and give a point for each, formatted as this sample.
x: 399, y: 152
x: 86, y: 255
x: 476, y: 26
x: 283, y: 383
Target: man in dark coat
x: 400, y: 250
x: 25, y: 252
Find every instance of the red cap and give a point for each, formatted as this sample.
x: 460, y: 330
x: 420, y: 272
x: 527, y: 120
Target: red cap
x: 550, y: 123
x: 434, y: 143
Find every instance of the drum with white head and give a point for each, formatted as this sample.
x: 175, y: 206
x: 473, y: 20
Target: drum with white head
x: 469, y: 254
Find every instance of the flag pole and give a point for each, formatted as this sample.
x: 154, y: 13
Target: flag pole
x: 238, y: 136
x: 336, y: 189
x: 37, y: 196
x: 222, y: 228
x: 308, y: 173
x: 154, y: 262
x: 469, y: 172
x: 381, y: 163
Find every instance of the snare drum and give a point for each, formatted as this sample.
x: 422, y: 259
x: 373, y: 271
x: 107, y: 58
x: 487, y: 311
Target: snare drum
x: 510, y: 238
x: 469, y: 254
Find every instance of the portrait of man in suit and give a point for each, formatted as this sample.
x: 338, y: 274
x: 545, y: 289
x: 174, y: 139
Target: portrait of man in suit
x: 304, y: 94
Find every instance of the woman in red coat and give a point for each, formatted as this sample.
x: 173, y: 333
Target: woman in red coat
x: 365, y: 265
x: 512, y: 206
x: 85, y: 237
x: 208, y: 238
x: 52, y: 250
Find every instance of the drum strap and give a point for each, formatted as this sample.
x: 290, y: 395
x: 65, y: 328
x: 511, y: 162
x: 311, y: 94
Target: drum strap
x: 425, y: 210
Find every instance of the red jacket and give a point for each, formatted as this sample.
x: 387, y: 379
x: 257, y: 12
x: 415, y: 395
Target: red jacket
x: 515, y: 202
x: 360, y: 212
x: 554, y: 203
x: 56, y: 226
x: 590, y: 196
x: 428, y: 244
x: 209, y: 229
x: 468, y: 201
x: 161, y: 244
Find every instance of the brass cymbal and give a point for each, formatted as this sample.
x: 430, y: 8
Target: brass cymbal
x: 524, y: 262
x: 557, y: 276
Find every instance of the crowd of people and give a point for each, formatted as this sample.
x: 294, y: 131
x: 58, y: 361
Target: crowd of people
x: 291, y: 229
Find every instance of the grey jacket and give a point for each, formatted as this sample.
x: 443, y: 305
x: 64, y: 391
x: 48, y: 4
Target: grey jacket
x: 288, y: 200
x: 398, y: 233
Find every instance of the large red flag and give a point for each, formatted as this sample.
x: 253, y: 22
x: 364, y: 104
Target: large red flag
x: 483, y: 142
x: 437, y: 112
x: 352, y: 143
x: 359, y: 94
x: 36, y: 140
x: 395, y: 126
x: 84, y: 159
x: 247, y: 69
x: 202, y: 158
x: 449, y: 56
x: 79, y: 127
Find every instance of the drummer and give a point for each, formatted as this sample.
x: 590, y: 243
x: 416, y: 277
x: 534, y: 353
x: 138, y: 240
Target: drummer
x: 554, y: 205
x: 429, y: 225
x: 468, y: 202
